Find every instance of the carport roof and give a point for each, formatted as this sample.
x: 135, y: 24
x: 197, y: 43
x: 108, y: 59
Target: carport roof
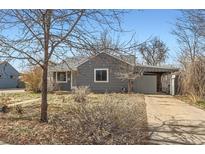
x: 155, y: 69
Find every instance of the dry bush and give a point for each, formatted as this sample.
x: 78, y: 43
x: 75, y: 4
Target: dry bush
x: 80, y: 94
x: 103, y: 119
x: 32, y: 79
x: 192, y: 80
x: 19, y: 109
x: 4, y: 109
x: 4, y: 101
x: 114, y: 120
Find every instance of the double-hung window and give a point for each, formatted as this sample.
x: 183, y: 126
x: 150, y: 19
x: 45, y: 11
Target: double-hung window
x: 61, y: 77
x: 101, y: 75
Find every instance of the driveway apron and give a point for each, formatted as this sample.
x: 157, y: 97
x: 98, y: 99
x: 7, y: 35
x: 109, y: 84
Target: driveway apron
x: 172, y: 121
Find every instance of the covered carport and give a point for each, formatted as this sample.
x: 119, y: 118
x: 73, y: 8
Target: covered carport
x: 150, y: 82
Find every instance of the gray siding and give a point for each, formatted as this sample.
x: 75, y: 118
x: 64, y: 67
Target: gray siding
x: 53, y: 85
x: 6, y: 71
x: 85, y: 74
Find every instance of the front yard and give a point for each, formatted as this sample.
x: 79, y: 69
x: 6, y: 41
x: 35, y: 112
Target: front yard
x: 101, y: 119
x: 200, y: 104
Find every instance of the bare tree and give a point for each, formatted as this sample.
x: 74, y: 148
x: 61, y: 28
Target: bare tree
x: 188, y: 32
x: 38, y: 36
x: 129, y: 73
x: 154, y: 52
x: 102, y: 43
x: 125, y: 50
x: 110, y: 44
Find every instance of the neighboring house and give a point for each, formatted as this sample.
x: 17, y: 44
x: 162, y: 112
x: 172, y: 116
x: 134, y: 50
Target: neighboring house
x: 8, y: 76
x: 100, y: 74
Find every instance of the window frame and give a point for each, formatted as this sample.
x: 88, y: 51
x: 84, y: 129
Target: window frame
x: 66, y: 80
x: 101, y: 69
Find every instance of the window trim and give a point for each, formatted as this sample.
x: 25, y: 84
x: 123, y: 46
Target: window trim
x: 57, y: 81
x: 99, y: 69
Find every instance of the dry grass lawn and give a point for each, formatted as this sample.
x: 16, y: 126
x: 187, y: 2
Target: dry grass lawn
x: 10, y: 98
x: 187, y: 99
x: 101, y: 119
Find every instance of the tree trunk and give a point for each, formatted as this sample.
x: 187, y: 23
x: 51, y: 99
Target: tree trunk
x: 129, y: 86
x: 44, y: 104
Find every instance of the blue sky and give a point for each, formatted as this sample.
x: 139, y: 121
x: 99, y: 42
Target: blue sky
x: 146, y: 23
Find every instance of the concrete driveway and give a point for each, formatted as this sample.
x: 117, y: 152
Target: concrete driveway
x: 172, y: 121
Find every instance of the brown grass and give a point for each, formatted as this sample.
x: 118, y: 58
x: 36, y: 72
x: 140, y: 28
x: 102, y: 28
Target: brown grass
x: 197, y: 103
x: 10, y: 98
x: 103, y: 119
x: 80, y: 94
x: 192, y: 80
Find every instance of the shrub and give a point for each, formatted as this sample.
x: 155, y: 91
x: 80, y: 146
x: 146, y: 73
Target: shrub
x: 192, y: 80
x: 19, y: 109
x: 5, y: 109
x: 103, y: 119
x: 32, y: 79
x: 80, y: 94
x: 4, y: 99
x: 113, y: 120
x: 201, y: 103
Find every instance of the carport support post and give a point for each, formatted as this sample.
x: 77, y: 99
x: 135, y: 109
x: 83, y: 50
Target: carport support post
x: 172, y: 87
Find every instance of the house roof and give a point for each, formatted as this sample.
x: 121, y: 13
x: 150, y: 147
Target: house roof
x: 5, y: 63
x: 114, y: 56
x: 72, y: 63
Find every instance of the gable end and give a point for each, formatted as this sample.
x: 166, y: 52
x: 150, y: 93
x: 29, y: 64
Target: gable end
x: 107, y: 55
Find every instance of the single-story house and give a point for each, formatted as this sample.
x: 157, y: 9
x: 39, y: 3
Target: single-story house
x: 8, y: 76
x: 101, y: 74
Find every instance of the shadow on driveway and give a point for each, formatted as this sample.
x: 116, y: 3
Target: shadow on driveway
x: 171, y: 121
x: 177, y: 132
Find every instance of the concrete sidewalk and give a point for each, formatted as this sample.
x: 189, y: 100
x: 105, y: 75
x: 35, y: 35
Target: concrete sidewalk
x: 23, y: 103
x: 12, y: 90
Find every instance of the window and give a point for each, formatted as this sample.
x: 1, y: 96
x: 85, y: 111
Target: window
x: 61, y: 77
x: 101, y: 75
x: 11, y: 76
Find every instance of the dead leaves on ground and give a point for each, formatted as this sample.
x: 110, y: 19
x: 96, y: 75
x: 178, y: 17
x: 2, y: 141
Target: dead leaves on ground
x: 103, y: 119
